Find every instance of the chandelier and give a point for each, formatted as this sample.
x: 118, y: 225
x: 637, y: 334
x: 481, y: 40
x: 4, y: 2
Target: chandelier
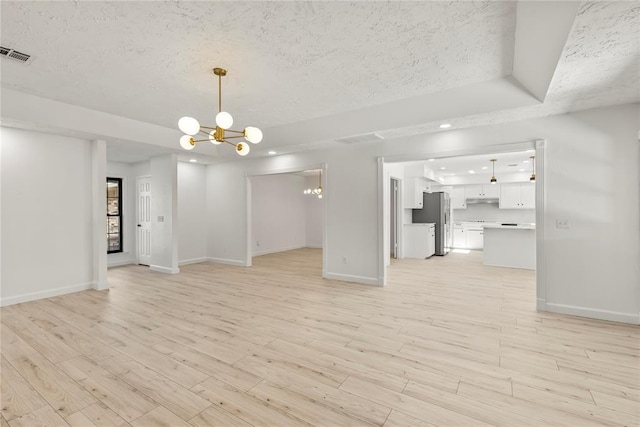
x: 318, y: 190
x: 219, y: 134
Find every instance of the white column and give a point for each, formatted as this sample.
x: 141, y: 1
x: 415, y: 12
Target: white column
x: 99, y: 212
x: 164, y: 214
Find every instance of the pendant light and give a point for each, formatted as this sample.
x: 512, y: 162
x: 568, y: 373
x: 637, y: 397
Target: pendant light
x: 317, y: 191
x: 493, y: 176
x: 533, y: 169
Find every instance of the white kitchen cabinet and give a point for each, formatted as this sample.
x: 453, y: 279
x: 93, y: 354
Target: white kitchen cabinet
x: 458, y: 198
x: 459, y: 237
x: 483, y: 191
x: 419, y: 240
x: 518, y: 196
x: 475, y: 238
x: 413, y: 188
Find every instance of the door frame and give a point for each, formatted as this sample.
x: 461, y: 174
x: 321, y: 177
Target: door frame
x: 326, y: 197
x: 393, y: 209
x: 538, y: 145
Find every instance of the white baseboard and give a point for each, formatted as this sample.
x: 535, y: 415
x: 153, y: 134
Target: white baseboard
x: 192, y: 261
x: 122, y: 262
x: 273, y: 251
x: 166, y: 270
x: 350, y: 278
x: 593, y: 313
x: 314, y: 246
x: 32, y: 296
x: 228, y: 261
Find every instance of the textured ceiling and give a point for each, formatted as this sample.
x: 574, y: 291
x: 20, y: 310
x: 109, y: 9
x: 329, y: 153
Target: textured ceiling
x: 287, y: 61
x: 293, y: 61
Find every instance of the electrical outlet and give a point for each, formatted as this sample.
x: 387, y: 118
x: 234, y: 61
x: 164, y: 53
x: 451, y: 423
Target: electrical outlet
x: 257, y: 242
x: 562, y: 223
x: 160, y: 219
x: 344, y: 259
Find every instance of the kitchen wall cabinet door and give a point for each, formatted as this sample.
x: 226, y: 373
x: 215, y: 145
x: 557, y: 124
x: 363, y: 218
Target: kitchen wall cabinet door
x: 518, y: 196
x: 413, y: 189
x: 458, y: 198
x: 482, y: 191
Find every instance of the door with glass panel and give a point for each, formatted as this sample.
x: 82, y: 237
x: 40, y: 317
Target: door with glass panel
x: 114, y: 215
x: 144, y: 220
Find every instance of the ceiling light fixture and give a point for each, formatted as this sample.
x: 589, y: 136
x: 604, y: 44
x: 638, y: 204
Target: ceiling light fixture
x: 493, y: 175
x: 484, y: 167
x: 271, y: 153
x: 472, y: 172
x: 218, y: 134
x: 431, y: 160
x: 317, y: 191
x: 445, y: 126
x: 193, y: 160
x: 533, y: 169
x: 442, y: 168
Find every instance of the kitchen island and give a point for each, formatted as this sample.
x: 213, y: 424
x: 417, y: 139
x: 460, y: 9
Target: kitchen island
x: 510, y: 246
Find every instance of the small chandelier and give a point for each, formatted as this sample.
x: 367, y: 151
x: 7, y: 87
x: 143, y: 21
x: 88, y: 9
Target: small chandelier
x: 493, y: 177
x: 218, y: 134
x: 318, y: 190
x: 533, y: 169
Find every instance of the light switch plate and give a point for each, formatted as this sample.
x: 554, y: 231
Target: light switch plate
x: 160, y: 219
x: 562, y: 223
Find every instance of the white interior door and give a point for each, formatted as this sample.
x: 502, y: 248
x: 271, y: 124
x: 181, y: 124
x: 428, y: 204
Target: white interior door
x: 144, y: 221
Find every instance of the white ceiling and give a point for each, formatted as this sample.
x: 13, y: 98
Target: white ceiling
x: 291, y: 62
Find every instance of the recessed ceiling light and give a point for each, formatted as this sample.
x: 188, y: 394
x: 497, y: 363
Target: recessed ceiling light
x: 472, y: 171
x: 525, y: 161
x: 531, y: 151
x: 445, y: 126
x: 193, y: 160
x: 442, y: 168
x: 431, y: 160
x: 485, y: 167
x: 271, y: 153
x: 452, y: 174
x: 521, y: 170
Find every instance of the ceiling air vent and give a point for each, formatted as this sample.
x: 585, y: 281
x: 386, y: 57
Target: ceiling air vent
x: 6, y: 52
x: 367, y: 137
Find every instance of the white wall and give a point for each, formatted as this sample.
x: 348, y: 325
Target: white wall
x: 192, y: 215
x: 314, y: 215
x: 491, y: 212
x: 278, y: 213
x: 125, y: 172
x: 164, y: 212
x: 47, y: 241
x: 588, y: 155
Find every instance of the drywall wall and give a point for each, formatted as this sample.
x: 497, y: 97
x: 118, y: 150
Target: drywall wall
x: 481, y: 212
x: 278, y: 213
x: 47, y: 240
x: 128, y: 254
x: 314, y: 215
x: 164, y: 212
x: 587, y: 153
x: 192, y: 216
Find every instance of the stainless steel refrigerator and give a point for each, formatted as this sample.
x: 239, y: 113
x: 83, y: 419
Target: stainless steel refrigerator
x: 436, y: 208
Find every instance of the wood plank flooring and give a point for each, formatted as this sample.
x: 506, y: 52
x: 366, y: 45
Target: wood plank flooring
x: 449, y: 341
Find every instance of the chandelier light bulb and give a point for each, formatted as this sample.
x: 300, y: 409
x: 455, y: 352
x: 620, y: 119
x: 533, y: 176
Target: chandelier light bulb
x: 212, y: 138
x: 319, y: 196
x: 242, y: 148
x: 187, y: 142
x: 224, y: 120
x: 189, y: 125
x: 253, y: 134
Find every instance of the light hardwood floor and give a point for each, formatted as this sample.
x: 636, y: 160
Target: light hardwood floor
x: 447, y: 342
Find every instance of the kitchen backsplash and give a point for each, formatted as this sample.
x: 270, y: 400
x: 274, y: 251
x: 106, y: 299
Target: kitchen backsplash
x: 490, y: 212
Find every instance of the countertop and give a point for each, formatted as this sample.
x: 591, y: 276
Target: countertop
x: 422, y: 224
x: 514, y: 227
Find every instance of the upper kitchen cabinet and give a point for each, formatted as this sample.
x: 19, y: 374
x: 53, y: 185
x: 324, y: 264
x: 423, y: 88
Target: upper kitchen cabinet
x: 459, y: 198
x: 412, y: 190
x: 482, y: 191
x: 518, y: 196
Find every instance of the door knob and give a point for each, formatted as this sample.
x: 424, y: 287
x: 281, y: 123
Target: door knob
x: 139, y: 225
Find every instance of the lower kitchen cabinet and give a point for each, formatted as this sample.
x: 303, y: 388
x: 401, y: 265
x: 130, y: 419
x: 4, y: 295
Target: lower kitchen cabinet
x: 459, y: 237
x: 475, y: 238
x: 419, y: 240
